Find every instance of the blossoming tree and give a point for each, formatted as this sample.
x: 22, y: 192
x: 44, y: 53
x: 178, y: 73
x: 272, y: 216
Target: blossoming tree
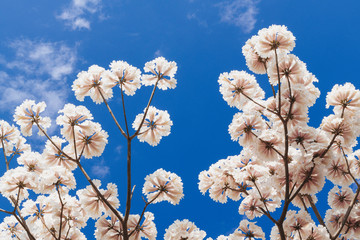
x: 54, y: 213
x: 284, y: 162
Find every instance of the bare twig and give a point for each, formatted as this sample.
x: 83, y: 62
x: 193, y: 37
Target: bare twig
x: 112, y: 114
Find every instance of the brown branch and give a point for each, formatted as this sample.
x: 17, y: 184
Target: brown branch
x: 56, y: 146
x: 143, y: 212
x: 98, y: 192
x: 61, y: 211
x: 258, y: 103
x: 147, y: 108
x: 317, y: 214
x: 348, y: 211
x: 272, y: 86
x: 6, y: 161
x: 123, y: 104
x: 112, y: 114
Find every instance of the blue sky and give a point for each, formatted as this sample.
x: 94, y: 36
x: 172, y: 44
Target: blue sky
x: 44, y: 44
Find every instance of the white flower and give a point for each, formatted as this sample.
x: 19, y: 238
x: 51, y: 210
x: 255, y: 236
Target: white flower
x: 157, y: 124
x: 162, y: 72
x: 89, y: 84
x: 163, y: 186
x: 237, y: 87
x: 275, y: 37
x: 147, y: 229
x: 54, y: 156
x: 73, y: 116
x: 124, y: 75
x: 344, y: 96
x: 92, y: 203
x: 91, y: 140
x: 27, y: 114
x: 184, y: 230
x: 248, y: 230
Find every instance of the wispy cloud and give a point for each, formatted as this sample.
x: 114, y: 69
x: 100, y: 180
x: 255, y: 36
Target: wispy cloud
x: 241, y: 13
x: 194, y: 16
x: 77, y: 12
x: 38, y: 70
x: 158, y: 53
x: 100, y: 170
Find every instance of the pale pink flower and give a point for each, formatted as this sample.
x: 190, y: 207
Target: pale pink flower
x: 184, y: 230
x: 17, y: 147
x: 268, y: 145
x: 316, y: 232
x: 354, y: 160
x: 298, y: 116
x: 163, y: 186
x: 91, y: 140
x: 73, y: 214
x: 340, y: 198
x: 89, y: 84
x: 344, y: 97
x: 108, y: 229
x: 157, y: 124
x: 124, y: 75
x: 10, y: 227
x: 314, y: 181
x: 8, y: 133
x: 290, y: 67
x: 73, y: 117
x: 333, y: 220
x: 248, y: 230
x: 205, y: 181
x: 32, y: 162
x: 297, y: 222
x: 301, y: 137
x: 243, y: 126
x: 220, y: 179
x: 54, y: 156
x: 336, y: 171
x: 269, y: 195
x: 254, y: 62
x: 92, y: 204
x: 57, y: 176
x: 250, y: 207
x: 28, y: 114
x: 37, y: 209
x: 15, y: 181
x: 147, y: 229
x: 161, y: 72
x: 237, y: 86
x: 298, y: 94
x: 334, y: 125
x: 73, y: 234
x: 274, y: 38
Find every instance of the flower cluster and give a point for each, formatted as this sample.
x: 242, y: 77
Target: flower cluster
x: 285, y: 162
x: 39, y: 188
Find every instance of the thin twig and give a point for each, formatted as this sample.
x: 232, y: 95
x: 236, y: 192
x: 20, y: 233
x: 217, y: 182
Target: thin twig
x: 3, y: 147
x: 147, y: 108
x: 112, y: 114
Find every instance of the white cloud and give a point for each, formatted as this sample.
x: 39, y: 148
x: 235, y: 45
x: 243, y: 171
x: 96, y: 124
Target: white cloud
x: 241, y: 13
x: 38, y: 70
x: 119, y: 149
x: 74, y: 15
x: 100, y: 170
x: 158, y: 53
x: 194, y: 16
x: 38, y: 58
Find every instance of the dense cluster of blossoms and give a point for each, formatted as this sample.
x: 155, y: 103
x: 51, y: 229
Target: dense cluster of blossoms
x: 284, y: 162
x: 50, y: 211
